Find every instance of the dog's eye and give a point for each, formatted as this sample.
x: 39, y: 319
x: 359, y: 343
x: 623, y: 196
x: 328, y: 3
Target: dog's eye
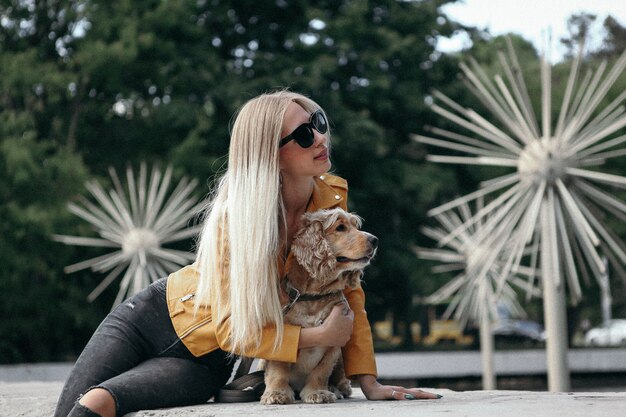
x: 341, y: 228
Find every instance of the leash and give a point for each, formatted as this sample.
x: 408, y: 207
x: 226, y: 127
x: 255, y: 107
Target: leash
x: 244, y: 389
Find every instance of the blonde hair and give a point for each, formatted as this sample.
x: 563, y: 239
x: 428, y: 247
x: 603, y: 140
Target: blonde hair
x: 241, y: 236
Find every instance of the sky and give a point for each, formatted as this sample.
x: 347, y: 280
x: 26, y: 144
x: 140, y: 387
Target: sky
x: 533, y: 19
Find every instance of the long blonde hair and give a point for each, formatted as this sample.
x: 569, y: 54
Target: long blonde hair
x: 241, y: 236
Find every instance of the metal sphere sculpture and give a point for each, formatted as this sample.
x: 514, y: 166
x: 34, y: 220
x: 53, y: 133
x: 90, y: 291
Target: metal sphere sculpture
x: 478, y: 291
x: 137, y: 222
x: 478, y: 288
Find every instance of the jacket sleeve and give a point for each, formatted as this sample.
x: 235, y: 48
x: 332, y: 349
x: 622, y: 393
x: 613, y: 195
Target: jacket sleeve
x: 358, y: 354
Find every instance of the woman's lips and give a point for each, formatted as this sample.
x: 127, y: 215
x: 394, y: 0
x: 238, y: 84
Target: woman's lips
x: 322, y: 155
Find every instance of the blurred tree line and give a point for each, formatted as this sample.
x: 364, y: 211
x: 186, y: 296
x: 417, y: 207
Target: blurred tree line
x: 88, y: 84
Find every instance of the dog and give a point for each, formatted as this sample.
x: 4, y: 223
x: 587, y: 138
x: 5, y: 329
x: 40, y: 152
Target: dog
x: 330, y: 253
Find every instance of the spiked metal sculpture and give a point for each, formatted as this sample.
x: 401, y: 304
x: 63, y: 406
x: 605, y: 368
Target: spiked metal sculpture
x: 475, y: 293
x: 552, y: 199
x: 137, y: 222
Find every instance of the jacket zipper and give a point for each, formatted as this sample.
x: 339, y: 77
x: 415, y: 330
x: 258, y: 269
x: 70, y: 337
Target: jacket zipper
x: 187, y: 297
x: 190, y: 330
x: 202, y: 323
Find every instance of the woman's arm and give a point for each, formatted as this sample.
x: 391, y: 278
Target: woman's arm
x: 262, y: 348
x: 335, y: 331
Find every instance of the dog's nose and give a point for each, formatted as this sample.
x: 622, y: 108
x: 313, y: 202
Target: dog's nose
x: 373, y: 240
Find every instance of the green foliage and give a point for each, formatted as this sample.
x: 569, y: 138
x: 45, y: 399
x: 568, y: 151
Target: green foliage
x: 41, y: 311
x: 615, y: 41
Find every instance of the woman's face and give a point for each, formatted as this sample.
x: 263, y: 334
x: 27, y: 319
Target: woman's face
x: 296, y: 160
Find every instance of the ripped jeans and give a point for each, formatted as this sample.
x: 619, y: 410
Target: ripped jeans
x: 136, y: 356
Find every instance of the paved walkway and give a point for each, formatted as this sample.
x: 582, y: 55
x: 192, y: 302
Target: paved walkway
x: 37, y: 399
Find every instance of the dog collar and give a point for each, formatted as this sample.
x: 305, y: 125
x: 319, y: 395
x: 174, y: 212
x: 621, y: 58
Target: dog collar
x: 295, y: 295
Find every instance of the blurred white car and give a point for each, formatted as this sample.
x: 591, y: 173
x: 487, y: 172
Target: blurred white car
x: 613, y: 334
x: 519, y: 329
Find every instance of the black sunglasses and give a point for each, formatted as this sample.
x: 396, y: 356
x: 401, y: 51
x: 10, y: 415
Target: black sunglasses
x: 303, y: 134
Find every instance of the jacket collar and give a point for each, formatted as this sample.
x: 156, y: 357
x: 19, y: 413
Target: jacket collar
x: 324, y: 195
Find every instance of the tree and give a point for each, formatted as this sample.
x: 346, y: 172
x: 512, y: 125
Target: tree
x: 615, y: 40
x: 39, y: 174
x: 579, y: 28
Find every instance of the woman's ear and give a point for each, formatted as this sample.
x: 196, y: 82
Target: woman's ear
x: 312, y: 250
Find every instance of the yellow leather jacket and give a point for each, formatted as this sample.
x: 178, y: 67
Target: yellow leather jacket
x: 209, y: 330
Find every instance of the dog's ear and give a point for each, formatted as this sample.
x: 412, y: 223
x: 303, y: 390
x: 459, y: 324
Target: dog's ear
x: 353, y: 278
x: 312, y: 250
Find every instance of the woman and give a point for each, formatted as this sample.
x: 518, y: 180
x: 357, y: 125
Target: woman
x: 172, y: 344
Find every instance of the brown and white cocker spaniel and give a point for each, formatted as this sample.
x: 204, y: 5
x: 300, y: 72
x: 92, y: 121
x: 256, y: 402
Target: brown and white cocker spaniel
x: 330, y: 253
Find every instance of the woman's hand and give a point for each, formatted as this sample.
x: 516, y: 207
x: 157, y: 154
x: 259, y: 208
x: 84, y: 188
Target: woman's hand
x: 334, y: 332
x: 337, y: 328
x: 373, y: 390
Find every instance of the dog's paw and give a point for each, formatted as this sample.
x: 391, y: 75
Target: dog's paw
x: 336, y: 391
x: 277, y: 397
x: 319, y: 397
x: 345, y: 388
x: 342, y: 390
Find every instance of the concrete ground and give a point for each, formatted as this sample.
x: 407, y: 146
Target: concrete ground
x: 31, y: 390
x: 38, y: 399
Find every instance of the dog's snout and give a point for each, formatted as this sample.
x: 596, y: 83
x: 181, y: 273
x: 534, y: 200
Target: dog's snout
x: 373, y: 240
